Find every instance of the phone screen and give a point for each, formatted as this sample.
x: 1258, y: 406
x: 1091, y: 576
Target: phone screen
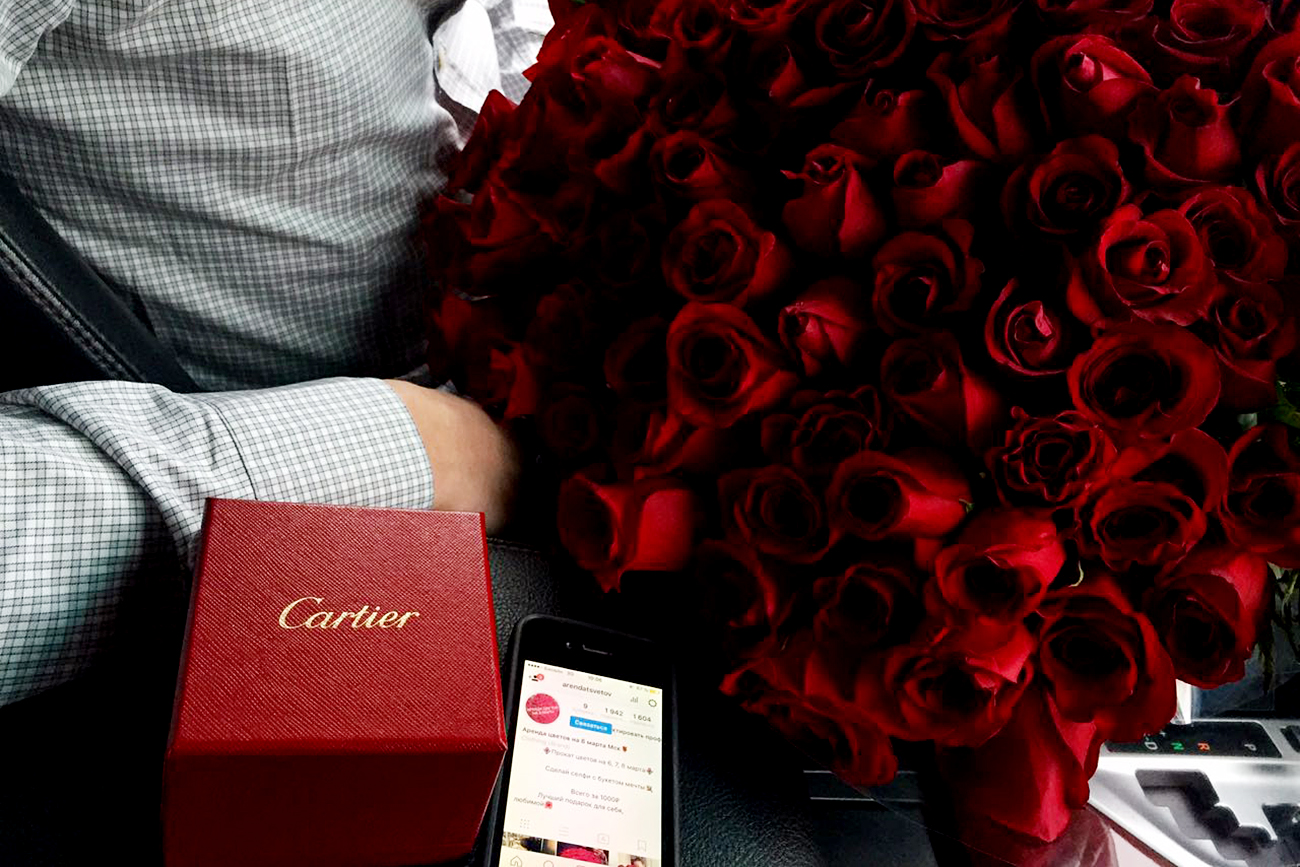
x: 586, y: 772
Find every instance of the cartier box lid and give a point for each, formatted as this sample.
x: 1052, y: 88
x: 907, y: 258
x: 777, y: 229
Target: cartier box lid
x: 321, y: 629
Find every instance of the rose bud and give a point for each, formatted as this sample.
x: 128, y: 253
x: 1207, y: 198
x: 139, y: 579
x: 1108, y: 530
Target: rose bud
x: 488, y: 245
x: 636, y: 362
x: 919, y: 492
x: 501, y: 375
x: 1087, y: 84
x: 1069, y: 191
x: 773, y: 510
x: 470, y: 167
x: 985, y: 105
x: 1000, y: 566
x: 836, y: 214
x: 1031, y: 777
x: 868, y: 605
x: 655, y: 442
x: 955, y: 686
x: 693, y: 101
x: 856, y: 40
x: 697, y: 169
x: 565, y: 329
x: 1186, y: 136
x: 1252, y: 331
x: 611, y: 529
x: 1031, y: 337
x: 1051, y: 461
x: 888, y: 124
x: 923, y: 278
x: 1151, y: 524
x: 1202, y: 37
x: 776, y: 72
x: 1261, y: 511
x: 926, y: 380
x: 818, y: 432
x: 1150, y: 267
x: 1145, y: 381
x: 824, y: 327
x: 1208, y: 612
x: 718, y: 254
x: 790, y: 693
x: 764, y: 19
x: 1278, y: 180
x: 928, y: 189
x: 741, y: 590
x: 1236, y: 234
x: 1270, y: 96
x: 1103, y: 662
x: 721, y: 367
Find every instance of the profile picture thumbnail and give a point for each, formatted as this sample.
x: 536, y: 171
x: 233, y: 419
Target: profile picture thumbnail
x: 541, y: 708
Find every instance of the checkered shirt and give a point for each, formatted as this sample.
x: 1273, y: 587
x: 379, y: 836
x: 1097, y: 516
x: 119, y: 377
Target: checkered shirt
x: 246, y: 173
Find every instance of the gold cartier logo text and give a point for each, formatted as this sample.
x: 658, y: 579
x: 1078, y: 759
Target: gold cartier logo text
x: 295, y: 616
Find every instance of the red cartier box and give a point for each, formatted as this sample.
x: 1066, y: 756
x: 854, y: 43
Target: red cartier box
x: 371, y: 735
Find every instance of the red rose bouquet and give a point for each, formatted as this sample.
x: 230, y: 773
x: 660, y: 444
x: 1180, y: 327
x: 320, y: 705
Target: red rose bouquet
x: 940, y: 342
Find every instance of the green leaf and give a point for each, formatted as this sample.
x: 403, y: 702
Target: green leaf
x: 1288, y: 394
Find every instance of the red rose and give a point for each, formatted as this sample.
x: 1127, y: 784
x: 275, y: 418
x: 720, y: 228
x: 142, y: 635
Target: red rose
x: 1150, y: 267
x: 740, y: 588
x: 1261, y: 511
x: 1131, y: 523
x: 916, y: 493
x: 1050, y: 461
x: 693, y: 101
x: 1031, y: 776
x: 564, y: 332
x: 1191, y: 460
x: 986, y: 105
x: 1000, y: 566
x: 887, y: 125
x: 1145, y: 381
x: 1087, y: 84
x: 1203, y: 37
x: 922, y: 279
x: 1253, y: 330
x: 700, y: 29
x: 1278, y: 180
x: 569, y: 423
x: 836, y: 213
x: 696, y: 168
x: 623, y: 250
x: 636, y: 362
x: 824, y: 327
x: 817, y: 432
x: 719, y: 254
x: 858, y: 38
x: 1097, y: 16
x: 616, y: 528
x: 778, y: 689
x: 1236, y: 234
x: 957, y: 687
x: 773, y: 510
x: 1103, y: 662
x: 1029, y: 336
x: 1270, y: 96
x: 492, y: 129
x: 500, y: 375
x: 868, y: 605
x: 945, y: 19
x: 1069, y: 191
x: 489, y: 245
x: 928, y: 189
x: 1185, y: 134
x: 764, y: 19
x: 783, y: 74
x: 1208, y: 612
x: 654, y: 442
x: 926, y: 379
x: 721, y: 367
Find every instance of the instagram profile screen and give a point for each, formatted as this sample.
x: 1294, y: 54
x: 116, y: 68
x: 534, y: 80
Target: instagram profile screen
x: 586, y: 774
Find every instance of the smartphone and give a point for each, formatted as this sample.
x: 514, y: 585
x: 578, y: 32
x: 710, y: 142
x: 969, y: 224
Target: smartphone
x: 590, y: 776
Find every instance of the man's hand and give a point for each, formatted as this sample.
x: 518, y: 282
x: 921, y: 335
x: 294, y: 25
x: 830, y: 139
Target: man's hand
x: 475, y: 465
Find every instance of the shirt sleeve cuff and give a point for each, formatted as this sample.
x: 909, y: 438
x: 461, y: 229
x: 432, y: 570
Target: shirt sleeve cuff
x: 348, y: 442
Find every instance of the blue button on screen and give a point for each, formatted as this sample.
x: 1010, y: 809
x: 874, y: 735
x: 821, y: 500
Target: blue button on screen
x: 590, y: 725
